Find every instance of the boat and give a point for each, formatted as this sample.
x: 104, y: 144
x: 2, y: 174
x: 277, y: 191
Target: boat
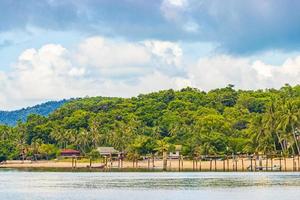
x: 262, y: 168
x: 97, y: 167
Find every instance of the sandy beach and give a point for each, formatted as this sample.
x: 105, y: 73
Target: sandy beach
x: 289, y: 164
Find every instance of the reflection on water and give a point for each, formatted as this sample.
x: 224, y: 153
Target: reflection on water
x: 148, y: 186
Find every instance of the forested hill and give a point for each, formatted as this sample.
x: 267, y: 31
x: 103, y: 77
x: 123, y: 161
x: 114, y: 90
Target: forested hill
x: 221, y: 121
x: 11, y: 117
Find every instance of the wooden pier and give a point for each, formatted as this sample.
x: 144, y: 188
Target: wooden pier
x: 213, y: 163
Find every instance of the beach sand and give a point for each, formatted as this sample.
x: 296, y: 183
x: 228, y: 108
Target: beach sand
x: 289, y: 164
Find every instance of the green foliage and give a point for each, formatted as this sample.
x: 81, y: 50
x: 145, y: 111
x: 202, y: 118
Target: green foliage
x: 7, y: 151
x: 94, y: 154
x: 48, y: 151
x: 221, y: 121
x: 12, y: 117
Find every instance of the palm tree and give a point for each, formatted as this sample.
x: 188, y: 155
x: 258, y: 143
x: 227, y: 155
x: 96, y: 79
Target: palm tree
x: 4, y: 133
x: 289, y: 120
x: 261, y: 138
x: 123, y: 134
x: 21, y: 141
x: 270, y: 122
x: 82, y: 140
x: 163, y: 147
x: 94, y: 134
x: 36, y: 144
x: 58, y: 135
x: 70, y: 136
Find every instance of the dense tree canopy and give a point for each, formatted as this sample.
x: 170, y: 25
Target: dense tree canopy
x: 220, y: 121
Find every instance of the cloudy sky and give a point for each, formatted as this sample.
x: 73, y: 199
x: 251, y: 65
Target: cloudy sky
x: 54, y: 49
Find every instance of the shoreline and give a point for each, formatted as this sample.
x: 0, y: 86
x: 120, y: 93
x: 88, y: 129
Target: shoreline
x: 239, y: 165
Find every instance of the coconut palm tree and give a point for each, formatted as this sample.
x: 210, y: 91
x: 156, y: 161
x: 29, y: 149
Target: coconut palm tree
x: 82, y: 140
x: 163, y: 147
x: 95, y: 134
x: 21, y: 138
x: 289, y: 120
x: 262, y: 139
x: 270, y: 121
x: 58, y: 135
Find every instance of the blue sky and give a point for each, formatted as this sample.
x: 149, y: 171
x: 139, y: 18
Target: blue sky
x: 52, y: 49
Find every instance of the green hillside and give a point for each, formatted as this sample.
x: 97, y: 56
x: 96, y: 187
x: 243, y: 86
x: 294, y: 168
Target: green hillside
x: 220, y: 121
x: 12, y: 117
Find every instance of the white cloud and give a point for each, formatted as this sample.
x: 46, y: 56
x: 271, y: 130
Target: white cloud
x: 99, y: 66
x: 168, y: 52
x: 149, y: 83
x: 100, y: 52
x: 218, y: 71
x: 176, y: 3
x: 173, y: 10
x: 178, y: 12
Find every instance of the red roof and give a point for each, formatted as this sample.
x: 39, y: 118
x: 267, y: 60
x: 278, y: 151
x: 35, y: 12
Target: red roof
x: 69, y: 151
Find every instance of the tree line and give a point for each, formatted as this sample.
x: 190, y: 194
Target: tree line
x: 221, y: 121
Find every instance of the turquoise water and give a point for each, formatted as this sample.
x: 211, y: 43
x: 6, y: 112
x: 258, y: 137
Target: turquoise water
x: 17, y: 185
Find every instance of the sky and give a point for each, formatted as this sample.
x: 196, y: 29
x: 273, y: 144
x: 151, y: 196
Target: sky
x: 56, y: 49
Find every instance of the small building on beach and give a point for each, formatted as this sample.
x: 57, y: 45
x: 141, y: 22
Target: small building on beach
x: 176, y: 153
x: 107, y: 151
x: 69, y: 153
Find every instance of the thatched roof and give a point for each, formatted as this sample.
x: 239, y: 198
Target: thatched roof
x: 107, y: 150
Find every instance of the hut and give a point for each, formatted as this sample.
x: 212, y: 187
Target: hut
x: 176, y: 153
x: 69, y: 153
x: 107, y: 151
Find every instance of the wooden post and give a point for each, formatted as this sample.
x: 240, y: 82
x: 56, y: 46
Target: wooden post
x: 233, y: 168
x: 271, y: 163
x: 298, y: 162
x: 255, y: 164
x: 72, y: 162
x: 153, y: 161
x: 260, y: 162
x: 193, y: 164
x: 90, y: 162
x: 181, y: 162
x: 227, y: 159
x: 294, y: 167
x: 285, y: 163
x: 280, y: 163
x: 200, y: 164
x: 223, y: 164
x: 251, y: 159
x: 236, y: 165
x: 210, y: 164
x: 148, y: 162
x: 243, y: 165
x: 178, y: 163
x: 75, y: 163
x: 111, y: 161
x: 267, y: 163
x: 165, y: 162
x: 215, y: 163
